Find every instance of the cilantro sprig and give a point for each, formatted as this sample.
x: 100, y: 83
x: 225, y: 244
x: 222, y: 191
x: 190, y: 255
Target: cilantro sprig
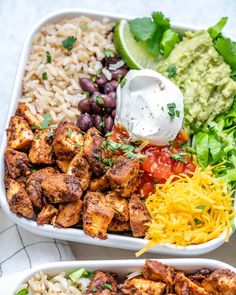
x: 69, y: 42
x: 155, y: 32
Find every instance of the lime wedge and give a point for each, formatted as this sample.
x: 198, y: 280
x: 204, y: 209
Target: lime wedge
x: 132, y: 52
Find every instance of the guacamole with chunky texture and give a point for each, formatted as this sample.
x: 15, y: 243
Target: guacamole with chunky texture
x: 200, y: 72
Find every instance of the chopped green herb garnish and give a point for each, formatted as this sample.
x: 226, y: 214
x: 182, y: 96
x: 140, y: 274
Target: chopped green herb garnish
x: 108, y: 134
x: 33, y: 170
x: 94, y: 78
x: 94, y: 289
x: 197, y: 221
x: 171, y: 143
x: 99, y: 100
x: 107, y: 162
x: 162, y: 108
x: 109, y: 53
x: 179, y: 157
x: 87, y: 94
x: 46, y: 121
x: 122, y: 83
x: 24, y: 291
x: 37, y: 137
x: 177, y: 112
x: 69, y: 42
x: 83, y: 26
x: 45, y: 75
x: 201, y: 207
x: 155, y: 180
x: 171, y: 109
x: 69, y: 133
x: 171, y: 70
x: 102, y: 124
x: 97, y: 156
x: 107, y: 286
x: 78, y: 146
x: 103, y: 145
x: 49, y: 57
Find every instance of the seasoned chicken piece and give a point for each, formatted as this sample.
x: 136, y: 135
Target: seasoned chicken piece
x: 67, y: 140
x: 63, y: 165
x: 97, y: 215
x: 200, y: 275
x: 25, y: 112
x: 46, y: 214
x: 102, y: 284
x: 118, y: 226
x: 119, y: 205
x: 156, y: 271
x: 41, y: 149
x: 94, y: 152
x: 221, y: 281
x: 79, y: 167
x: 61, y: 188
x: 141, y: 286
x: 19, y: 134
x: 139, y: 216
x: 33, y: 185
x: 99, y: 184
x: 69, y: 214
x: 19, y: 200
x: 184, y: 286
x: 18, y: 163
x: 123, y: 176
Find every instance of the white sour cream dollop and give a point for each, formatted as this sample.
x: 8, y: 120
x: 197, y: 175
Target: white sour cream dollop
x: 150, y: 107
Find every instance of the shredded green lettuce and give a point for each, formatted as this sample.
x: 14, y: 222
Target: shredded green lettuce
x: 24, y: 291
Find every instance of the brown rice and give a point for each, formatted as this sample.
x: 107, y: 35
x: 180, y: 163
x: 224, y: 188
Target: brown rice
x: 60, y: 93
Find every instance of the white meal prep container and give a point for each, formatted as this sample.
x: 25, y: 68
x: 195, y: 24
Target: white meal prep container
x: 71, y: 234
x: 121, y: 267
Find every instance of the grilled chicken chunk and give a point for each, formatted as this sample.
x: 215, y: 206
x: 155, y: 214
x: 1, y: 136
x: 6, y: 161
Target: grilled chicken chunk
x: 41, y: 149
x: 63, y: 165
x: 119, y: 205
x: 183, y: 286
x: 221, y: 281
x: 97, y: 215
x: 67, y: 140
x: 33, y: 185
x: 69, y: 214
x: 200, y: 275
x: 25, y: 112
x: 99, y: 184
x: 61, y: 188
x: 18, y: 163
x: 79, y: 167
x: 139, y: 216
x: 141, y: 286
x: 46, y: 214
x: 93, y: 151
x: 123, y: 176
x: 118, y: 226
x: 19, y: 134
x: 102, y: 284
x: 156, y: 271
x: 19, y: 200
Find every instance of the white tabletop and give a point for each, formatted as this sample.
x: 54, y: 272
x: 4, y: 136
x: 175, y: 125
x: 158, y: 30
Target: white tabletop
x: 17, y: 17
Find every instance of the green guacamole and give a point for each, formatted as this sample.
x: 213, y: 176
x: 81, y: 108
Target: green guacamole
x: 203, y: 77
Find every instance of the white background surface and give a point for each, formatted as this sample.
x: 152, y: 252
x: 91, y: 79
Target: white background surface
x: 16, y: 19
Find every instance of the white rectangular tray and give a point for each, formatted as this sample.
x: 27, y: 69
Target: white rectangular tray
x: 71, y: 234
x: 121, y: 267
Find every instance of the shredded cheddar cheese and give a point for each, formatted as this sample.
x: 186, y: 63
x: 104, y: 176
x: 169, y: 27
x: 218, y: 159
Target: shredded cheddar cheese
x: 189, y: 210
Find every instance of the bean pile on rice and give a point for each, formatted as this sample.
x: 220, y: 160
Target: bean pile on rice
x: 41, y: 284
x: 60, y: 93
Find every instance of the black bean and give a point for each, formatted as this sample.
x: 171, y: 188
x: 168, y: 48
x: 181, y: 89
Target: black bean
x: 108, y: 123
x: 119, y: 73
x: 85, y: 106
x: 87, y: 85
x: 97, y: 107
x: 108, y: 87
x: 111, y: 60
x: 84, y: 122
x: 97, y: 122
x: 109, y: 102
x: 113, y: 113
x: 101, y: 80
x: 115, y: 83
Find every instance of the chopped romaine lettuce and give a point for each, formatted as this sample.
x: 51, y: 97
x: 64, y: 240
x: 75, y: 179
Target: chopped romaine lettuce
x: 24, y: 291
x: 80, y: 273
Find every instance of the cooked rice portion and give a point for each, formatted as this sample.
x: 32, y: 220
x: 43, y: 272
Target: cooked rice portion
x: 41, y: 284
x: 60, y: 93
